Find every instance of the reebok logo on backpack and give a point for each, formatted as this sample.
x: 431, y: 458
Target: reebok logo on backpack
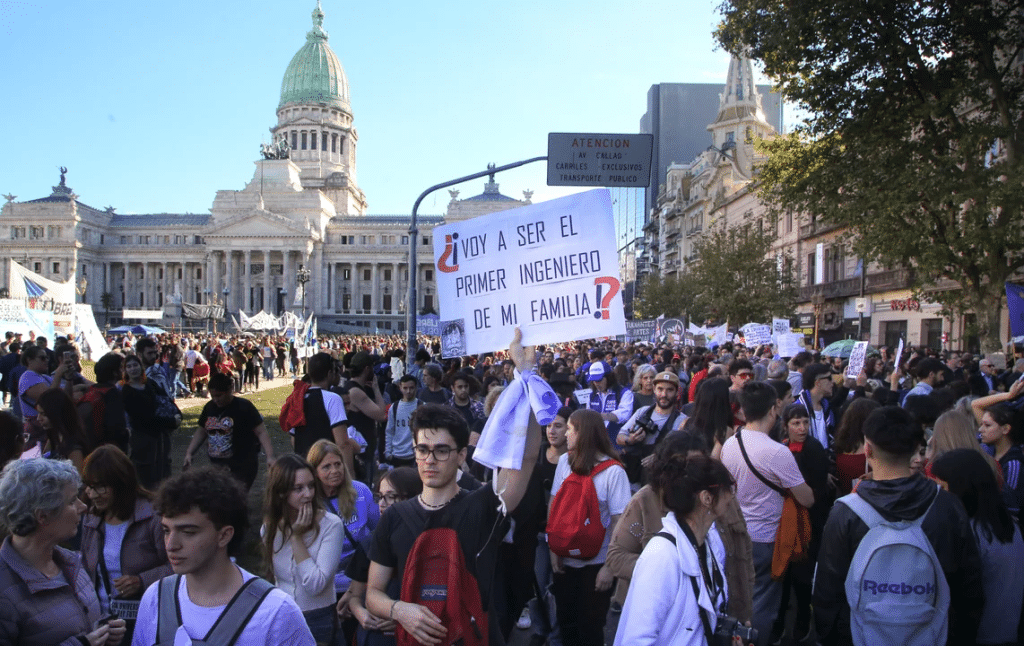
x: 574, y: 525
x: 896, y: 588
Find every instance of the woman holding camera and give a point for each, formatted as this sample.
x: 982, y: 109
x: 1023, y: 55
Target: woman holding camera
x: 683, y: 566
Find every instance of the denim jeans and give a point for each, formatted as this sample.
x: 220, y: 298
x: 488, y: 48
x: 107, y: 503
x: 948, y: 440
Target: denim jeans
x: 767, y: 592
x: 544, y: 623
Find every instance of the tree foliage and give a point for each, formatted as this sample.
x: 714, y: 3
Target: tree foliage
x: 731, y: 280
x: 915, y: 135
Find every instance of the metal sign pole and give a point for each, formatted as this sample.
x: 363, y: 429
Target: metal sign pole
x: 413, y: 238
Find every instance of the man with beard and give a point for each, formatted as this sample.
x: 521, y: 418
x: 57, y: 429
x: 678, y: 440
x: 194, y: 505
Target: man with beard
x: 649, y: 425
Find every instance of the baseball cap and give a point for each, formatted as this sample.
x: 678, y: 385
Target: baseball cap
x: 598, y: 370
x: 669, y: 377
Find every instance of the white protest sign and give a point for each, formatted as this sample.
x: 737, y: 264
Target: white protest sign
x: 899, y: 353
x: 857, y: 356
x: 780, y: 327
x: 582, y: 397
x: 790, y: 344
x: 757, y: 334
x: 549, y: 268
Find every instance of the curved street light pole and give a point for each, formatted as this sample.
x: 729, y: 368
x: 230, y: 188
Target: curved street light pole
x: 414, y: 235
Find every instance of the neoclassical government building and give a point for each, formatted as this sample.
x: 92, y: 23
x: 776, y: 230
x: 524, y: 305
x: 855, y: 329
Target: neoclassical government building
x: 306, y: 210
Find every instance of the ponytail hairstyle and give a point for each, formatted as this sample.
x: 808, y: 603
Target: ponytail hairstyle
x: 682, y: 478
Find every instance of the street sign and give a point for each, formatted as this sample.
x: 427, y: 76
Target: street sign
x: 589, y: 159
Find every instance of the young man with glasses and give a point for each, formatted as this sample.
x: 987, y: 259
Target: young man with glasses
x: 817, y: 398
x: 479, y: 518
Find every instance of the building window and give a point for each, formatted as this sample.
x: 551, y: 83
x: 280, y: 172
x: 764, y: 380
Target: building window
x: 323, y: 141
x: 387, y: 302
x: 334, y: 143
x: 346, y: 274
x: 56, y: 267
x: 789, y: 221
x: 366, y: 274
x: 295, y: 140
x: 38, y: 233
x: 103, y: 238
x: 810, y: 268
x: 428, y: 274
x: 893, y: 331
x: 387, y: 274
x: 405, y: 239
x: 366, y: 302
x: 931, y: 333
x: 426, y: 241
x: 303, y: 141
x: 199, y: 273
x: 428, y: 302
x: 37, y: 267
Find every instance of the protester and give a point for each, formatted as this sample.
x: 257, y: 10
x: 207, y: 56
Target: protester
x: 764, y: 471
x: 891, y: 437
x: 649, y: 425
x: 101, y: 407
x: 442, y: 436
x: 46, y: 596
x: 999, y: 427
x: 65, y: 437
x: 33, y: 382
x: 302, y: 543
x: 12, y: 438
x: 204, y: 518
x: 607, y: 397
x: 583, y: 587
x: 682, y: 566
x: 150, y: 434
x: 849, y: 443
x: 712, y: 415
x: 122, y: 541
x: 398, y: 434
x: 235, y: 431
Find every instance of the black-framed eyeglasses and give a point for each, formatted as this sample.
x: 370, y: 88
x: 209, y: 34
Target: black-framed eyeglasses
x: 389, y: 498
x: 98, y: 489
x: 441, y: 452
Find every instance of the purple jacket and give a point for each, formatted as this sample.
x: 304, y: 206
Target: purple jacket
x: 142, y: 551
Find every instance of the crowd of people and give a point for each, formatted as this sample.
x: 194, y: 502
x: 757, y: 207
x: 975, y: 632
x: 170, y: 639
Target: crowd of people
x: 705, y: 496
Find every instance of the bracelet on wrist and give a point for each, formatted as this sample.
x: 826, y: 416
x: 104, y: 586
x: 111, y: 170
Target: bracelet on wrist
x: 392, y: 613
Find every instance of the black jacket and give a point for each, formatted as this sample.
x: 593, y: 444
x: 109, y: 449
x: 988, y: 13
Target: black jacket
x: 946, y: 526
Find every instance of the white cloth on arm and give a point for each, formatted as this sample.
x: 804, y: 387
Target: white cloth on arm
x: 503, y: 440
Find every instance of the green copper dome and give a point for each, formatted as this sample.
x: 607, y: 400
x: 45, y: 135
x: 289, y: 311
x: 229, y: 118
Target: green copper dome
x: 315, y: 75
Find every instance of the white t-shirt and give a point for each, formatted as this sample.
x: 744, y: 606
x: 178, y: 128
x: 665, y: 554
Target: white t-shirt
x: 333, y: 404
x: 310, y: 583
x: 818, y: 426
x: 761, y: 505
x: 277, y: 620
x: 613, y: 495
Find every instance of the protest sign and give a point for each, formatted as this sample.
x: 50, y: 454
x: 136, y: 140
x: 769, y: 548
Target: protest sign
x: 899, y: 353
x: 857, y: 356
x: 671, y: 331
x: 757, y: 334
x: 427, y: 324
x: 549, y: 268
x: 780, y: 327
x: 639, y: 330
x: 790, y: 344
x: 582, y: 397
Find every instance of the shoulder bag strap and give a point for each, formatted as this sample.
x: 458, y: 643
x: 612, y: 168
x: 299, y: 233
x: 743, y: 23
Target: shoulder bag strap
x: 709, y: 634
x: 746, y: 458
x: 356, y: 545
x: 168, y: 611
x: 667, y: 428
x: 236, y: 616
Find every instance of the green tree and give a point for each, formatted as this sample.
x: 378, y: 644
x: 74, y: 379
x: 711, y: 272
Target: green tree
x: 107, y: 301
x: 670, y: 296
x: 734, y: 280
x: 915, y: 132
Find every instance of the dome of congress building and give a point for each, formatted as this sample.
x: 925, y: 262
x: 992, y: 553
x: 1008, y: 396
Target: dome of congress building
x: 315, y: 74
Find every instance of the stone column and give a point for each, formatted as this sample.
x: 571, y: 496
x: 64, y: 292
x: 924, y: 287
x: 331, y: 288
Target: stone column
x: 375, y: 294
x: 319, y: 275
x: 354, y: 303
x: 247, y: 282
x: 395, y: 283
x: 267, y: 283
x: 332, y: 296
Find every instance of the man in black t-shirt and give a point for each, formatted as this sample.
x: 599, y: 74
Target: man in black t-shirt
x: 441, y: 437
x: 235, y: 431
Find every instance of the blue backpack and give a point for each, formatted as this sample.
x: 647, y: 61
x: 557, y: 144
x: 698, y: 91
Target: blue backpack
x: 896, y: 588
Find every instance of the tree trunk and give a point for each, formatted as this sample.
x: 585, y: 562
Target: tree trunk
x: 989, y: 307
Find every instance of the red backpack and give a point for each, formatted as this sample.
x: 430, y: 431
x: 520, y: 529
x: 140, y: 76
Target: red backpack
x: 574, y: 524
x: 92, y: 410
x: 436, y: 577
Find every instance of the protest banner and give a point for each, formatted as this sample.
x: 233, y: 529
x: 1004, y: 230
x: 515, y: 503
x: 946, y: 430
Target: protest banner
x: 427, y: 324
x: 899, y: 354
x: 582, y: 397
x: 790, y: 344
x: 549, y: 268
x: 639, y: 330
x: 857, y: 356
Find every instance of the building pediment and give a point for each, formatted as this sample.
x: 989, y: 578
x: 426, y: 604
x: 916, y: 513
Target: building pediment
x: 260, y: 223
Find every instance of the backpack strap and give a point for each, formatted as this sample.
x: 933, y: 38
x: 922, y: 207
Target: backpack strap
x: 709, y: 634
x: 602, y: 466
x: 750, y: 465
x: 870, y: 515
x: 168, y: 610
x: 238, y: 612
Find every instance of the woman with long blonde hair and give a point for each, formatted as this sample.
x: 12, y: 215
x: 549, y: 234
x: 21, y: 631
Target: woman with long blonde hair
x: 302, y: 543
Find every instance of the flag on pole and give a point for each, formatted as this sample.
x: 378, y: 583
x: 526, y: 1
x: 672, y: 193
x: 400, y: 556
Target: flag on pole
x: 1015, y: 305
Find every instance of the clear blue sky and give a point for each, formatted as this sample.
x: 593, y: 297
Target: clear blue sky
x: 153, y: 107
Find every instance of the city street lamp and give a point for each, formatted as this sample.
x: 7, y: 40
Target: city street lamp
x: 225, y: 292
x: 303, y: 277
x: 209, y: 310
x: 82, y: 286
